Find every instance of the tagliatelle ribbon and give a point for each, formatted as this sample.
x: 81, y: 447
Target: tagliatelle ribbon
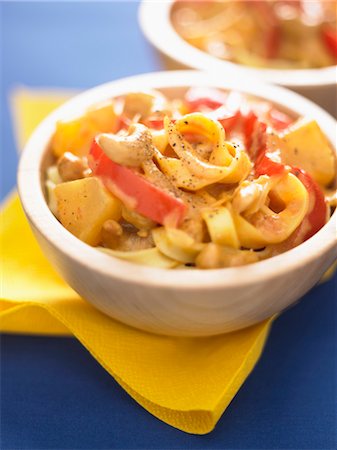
x: 186, y: 382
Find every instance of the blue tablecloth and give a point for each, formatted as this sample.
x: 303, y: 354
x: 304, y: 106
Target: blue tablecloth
x: 53, y: 393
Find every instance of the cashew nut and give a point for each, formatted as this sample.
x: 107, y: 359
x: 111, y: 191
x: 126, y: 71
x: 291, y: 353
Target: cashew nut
x: 130, y: 150
x: 143, y: 103
x: 111, y: 233
x: 71, y: 167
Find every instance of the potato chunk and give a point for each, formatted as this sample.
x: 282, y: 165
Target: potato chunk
x: 308, y: 148
x: 84, y: 205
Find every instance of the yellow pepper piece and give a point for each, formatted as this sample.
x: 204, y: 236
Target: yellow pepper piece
x: 76, y: 135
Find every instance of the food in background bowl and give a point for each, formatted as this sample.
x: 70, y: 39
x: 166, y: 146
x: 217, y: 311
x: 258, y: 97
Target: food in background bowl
x: 211, y: 179
x: 317, y: 84
x: 279, y: 34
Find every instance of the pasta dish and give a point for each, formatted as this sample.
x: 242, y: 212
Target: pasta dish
x: 279, y: 34
x: 210, y: 180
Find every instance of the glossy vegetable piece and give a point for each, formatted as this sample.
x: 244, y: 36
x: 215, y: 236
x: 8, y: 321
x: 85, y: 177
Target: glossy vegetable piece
x: 76, y: 135
x: 278, y: 119
x: 135, y: 191
x: 103, y: 117
x: 268, y: 160
x: 316, y: 217
x: 307, y: 147
x: 303, y: 144
x: 329, y: 37
x: 317, y: 214
x: 268, y: 164
x: 228, y: 119
x: 266, y: 113
x: 272, y: 27
x: 215, y: 104
x: 254, y: 133
x: 155, y: 124
x: 199, y: 99
x: 84, y: 205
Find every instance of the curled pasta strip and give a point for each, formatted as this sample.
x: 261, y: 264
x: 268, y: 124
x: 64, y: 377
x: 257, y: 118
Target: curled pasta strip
x: 227, y: 163
x: 130, y: 150
x: 178, y: 173
x: 215, y: 256
x: 221, y: 227
x: 250, y: 196
x: 159, y: 139
x: 176, y: 244
x: 266, y: 226
x: 137, y: 220
x: 147, y: 257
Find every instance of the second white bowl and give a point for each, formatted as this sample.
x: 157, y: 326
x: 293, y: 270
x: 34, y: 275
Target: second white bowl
x: 318, y: 85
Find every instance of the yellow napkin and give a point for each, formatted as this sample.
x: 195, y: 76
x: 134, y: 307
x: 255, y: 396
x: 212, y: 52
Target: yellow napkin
x: 186, y: 382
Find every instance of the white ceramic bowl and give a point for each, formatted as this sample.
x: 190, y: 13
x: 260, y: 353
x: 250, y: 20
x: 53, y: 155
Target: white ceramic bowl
x: 177, y: 302
x: 319, y: 85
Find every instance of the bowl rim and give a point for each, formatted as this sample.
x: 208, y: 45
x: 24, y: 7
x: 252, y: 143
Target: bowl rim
x: 162, y: 35
x: 41, y: 218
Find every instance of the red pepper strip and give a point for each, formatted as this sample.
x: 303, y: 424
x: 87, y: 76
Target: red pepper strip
x: 268, y: 164
x: 267, y: 160
x: 155, y: 124
x: 273, y: 39
x: 273, y: 31
x: 279, y: 120
x: 228, y: 119
x: 255, y: 134
x: 198, y: 99
x: 294, y: 3
x: 317, y: 214
x: 123, y: 123
x: 249, y: 122
x: 267, y: 113
x: 135, y: 191
x: 329, y: 37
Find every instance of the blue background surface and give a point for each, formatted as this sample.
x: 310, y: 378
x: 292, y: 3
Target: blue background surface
x: 54, y: 395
